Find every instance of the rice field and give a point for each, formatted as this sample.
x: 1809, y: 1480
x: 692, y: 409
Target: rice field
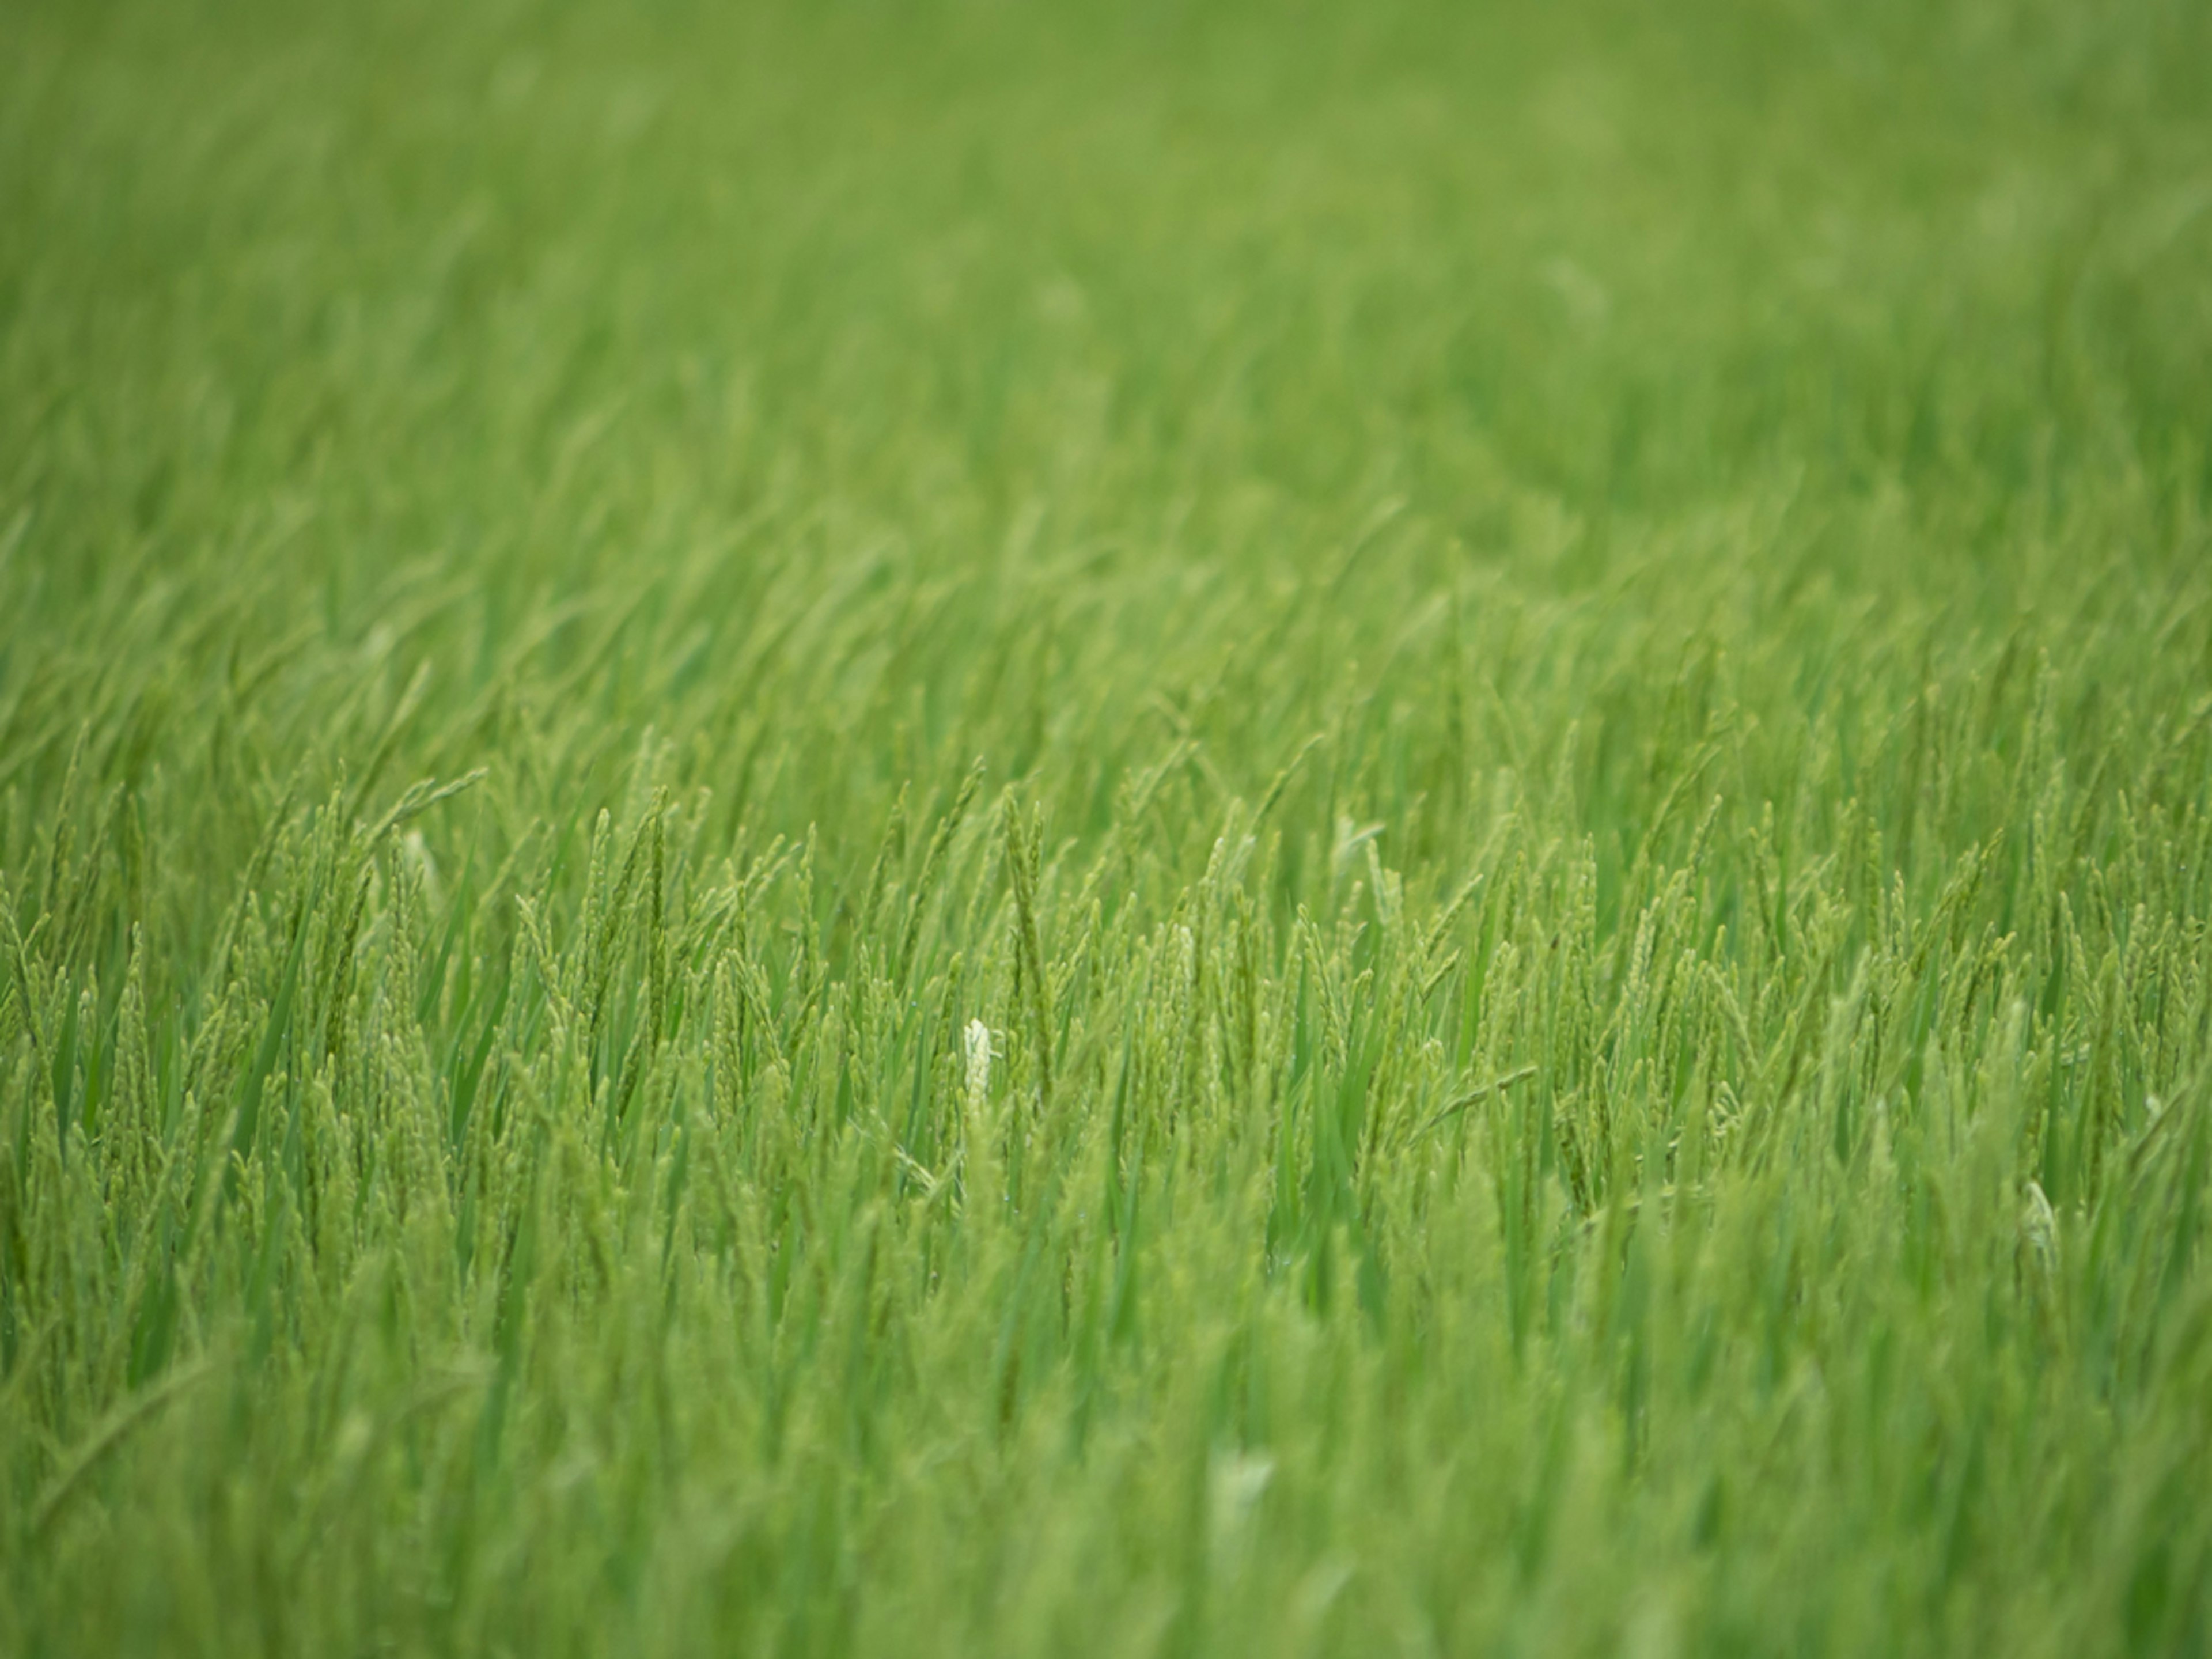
x: 951, y: 828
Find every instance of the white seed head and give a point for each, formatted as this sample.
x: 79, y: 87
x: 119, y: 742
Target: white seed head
x: 979, y: 1060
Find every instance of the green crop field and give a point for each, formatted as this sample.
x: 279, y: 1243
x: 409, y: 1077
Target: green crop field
x: 969, y: 828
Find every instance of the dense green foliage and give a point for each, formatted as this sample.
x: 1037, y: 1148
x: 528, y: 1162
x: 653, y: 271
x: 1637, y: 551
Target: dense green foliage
x: 1227, y: 829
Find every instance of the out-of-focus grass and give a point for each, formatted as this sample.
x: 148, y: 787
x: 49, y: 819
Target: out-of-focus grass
x: 970, y: 828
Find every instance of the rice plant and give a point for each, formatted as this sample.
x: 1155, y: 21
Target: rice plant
x: 955, y: 829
